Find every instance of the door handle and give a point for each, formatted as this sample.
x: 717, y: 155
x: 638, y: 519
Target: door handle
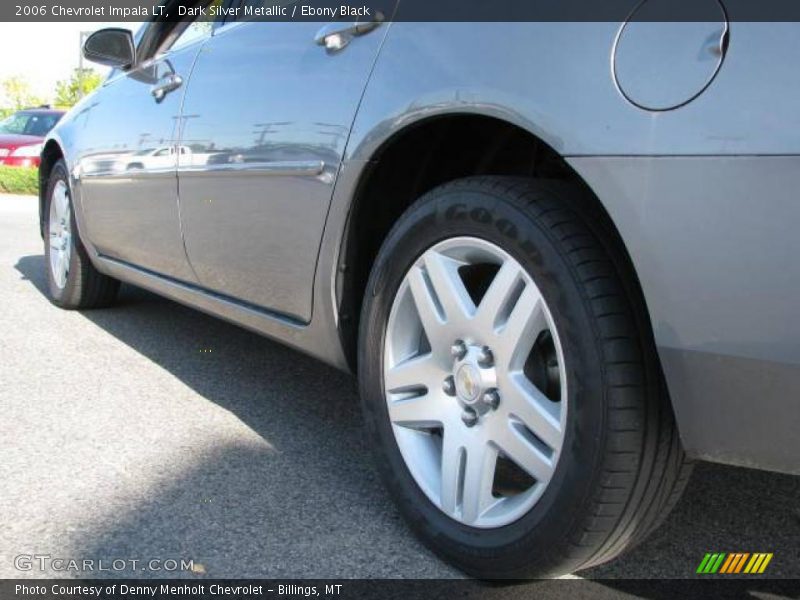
x: 335, y: 36
x: 167, y: 84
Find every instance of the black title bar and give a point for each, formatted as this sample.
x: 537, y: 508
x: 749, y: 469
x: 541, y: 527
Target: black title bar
x: 404, y: 10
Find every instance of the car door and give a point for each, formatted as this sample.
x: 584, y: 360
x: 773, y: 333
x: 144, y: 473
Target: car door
x: 128, y: 164
x: 267, y: 116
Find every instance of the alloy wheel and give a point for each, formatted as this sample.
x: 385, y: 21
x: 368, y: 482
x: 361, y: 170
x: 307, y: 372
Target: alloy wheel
x: 60, y: 233
x: 475, y: 382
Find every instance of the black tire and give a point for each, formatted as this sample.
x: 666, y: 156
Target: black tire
x: 622, y: 467
x: 85, y: 286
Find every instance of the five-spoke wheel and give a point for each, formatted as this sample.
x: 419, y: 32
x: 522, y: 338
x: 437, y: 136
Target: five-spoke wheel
x: 467, y: 337
x: 509, y: 388
x: 60, y: 233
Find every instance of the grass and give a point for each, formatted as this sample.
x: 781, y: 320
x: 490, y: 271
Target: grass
x: 19, y: 180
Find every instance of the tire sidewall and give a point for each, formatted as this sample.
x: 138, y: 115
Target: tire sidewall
x: 543, y: 534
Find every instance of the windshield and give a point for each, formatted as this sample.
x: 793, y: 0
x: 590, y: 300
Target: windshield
x: 29, y: 124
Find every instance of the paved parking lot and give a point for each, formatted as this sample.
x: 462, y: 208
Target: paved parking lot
x: 151, y: 430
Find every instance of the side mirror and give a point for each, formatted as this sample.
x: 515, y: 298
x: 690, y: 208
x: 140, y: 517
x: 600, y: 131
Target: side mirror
x: 112, y: 47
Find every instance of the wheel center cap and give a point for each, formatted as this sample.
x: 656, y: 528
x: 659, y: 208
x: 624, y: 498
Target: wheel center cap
x: 468, y: 383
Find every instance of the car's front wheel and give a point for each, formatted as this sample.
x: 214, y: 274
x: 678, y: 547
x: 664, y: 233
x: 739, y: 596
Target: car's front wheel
x: 72, y: 279
x: 509, y: 383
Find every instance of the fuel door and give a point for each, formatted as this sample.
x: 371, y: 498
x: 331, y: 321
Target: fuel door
x: 667, y: 53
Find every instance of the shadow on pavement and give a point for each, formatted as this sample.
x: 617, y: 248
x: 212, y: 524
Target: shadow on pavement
x: 315, y: 508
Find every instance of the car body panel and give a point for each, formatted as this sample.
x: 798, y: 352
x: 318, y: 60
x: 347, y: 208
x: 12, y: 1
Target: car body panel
x: 714, y: 243
x: 662, y: 176
x: 734, y: 410
x: 430, y: 69
x: 129, y: 201
x: 703, y: 198
x: 283, y: 155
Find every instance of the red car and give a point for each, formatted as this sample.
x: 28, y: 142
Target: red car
x: 22, y: 133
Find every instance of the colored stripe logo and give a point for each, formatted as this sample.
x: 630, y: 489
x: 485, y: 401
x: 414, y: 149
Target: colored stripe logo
x: 734, y: 562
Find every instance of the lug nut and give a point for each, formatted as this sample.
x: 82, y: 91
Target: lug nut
x: 485, y: 358
x: 469, y: 417
x: 449, y: 385
x: 491, y: 398
x: 458, y: 349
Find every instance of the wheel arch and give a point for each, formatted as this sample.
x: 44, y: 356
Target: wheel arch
x: 434, y: 150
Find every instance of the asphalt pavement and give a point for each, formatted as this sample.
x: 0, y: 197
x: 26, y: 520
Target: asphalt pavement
x: 150, y: 430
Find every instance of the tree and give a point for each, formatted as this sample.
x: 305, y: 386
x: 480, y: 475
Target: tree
x: 80, y: 83
x: 18, y: 93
